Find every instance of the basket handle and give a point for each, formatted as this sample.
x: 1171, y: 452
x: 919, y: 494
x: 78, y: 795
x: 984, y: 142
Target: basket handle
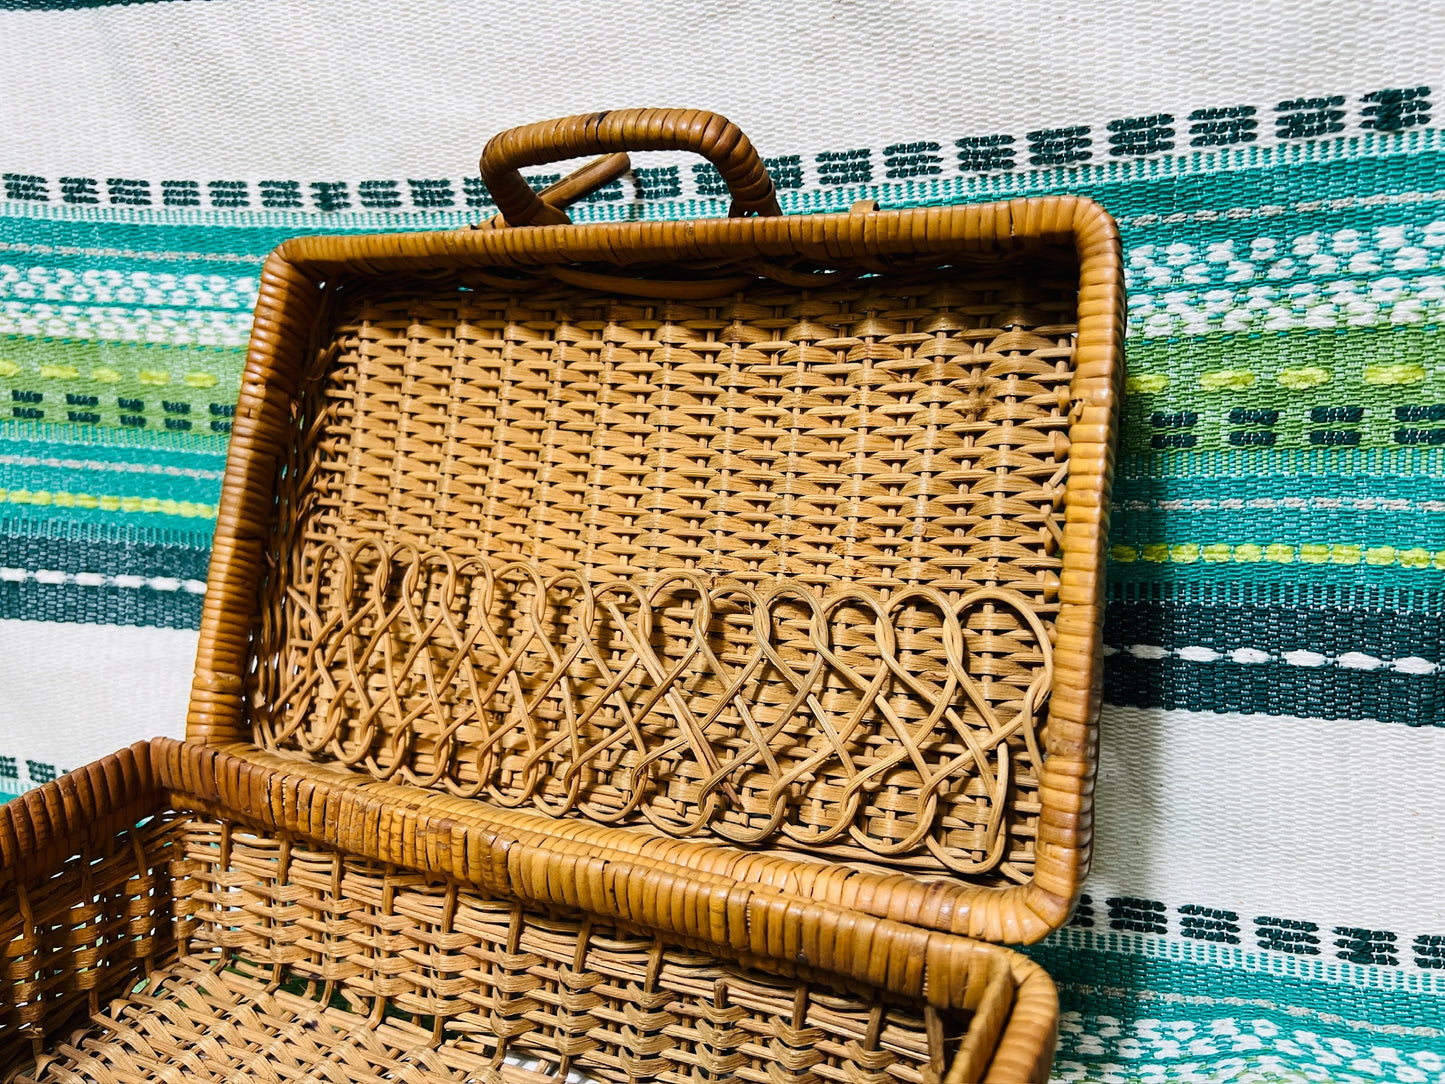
x: 715, y: 138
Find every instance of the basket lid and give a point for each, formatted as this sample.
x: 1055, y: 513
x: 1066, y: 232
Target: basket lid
x: 777, y: 535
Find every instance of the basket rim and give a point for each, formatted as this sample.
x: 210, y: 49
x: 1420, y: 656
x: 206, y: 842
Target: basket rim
x: 299, y: 272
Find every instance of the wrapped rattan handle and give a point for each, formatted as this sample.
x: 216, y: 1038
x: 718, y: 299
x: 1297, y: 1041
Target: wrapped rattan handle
x: 715, y: 138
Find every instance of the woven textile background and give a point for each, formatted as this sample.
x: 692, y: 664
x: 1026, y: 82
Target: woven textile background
x: 1266, y: 898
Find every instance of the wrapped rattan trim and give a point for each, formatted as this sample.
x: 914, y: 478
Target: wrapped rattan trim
x: 276, y: 786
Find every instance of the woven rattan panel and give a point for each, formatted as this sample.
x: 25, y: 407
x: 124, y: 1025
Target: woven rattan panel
x: 779, y: 567
x: 84, y: 930
x: 303, y: 963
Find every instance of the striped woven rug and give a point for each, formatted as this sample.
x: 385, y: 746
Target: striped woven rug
x: 1265, y: 904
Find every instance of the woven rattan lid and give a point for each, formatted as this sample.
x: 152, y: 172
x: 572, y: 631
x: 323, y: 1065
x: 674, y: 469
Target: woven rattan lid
x: 774, y: 543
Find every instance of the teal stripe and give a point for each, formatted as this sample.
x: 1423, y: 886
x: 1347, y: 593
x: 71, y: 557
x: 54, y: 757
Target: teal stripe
x: 95, y: 446
x: 101, y: 519
x: 1114, y: 971
x: 1203, y: 485
x: 1265, y: 576
x: 110, y: 483
x: 1244, y: 464
x: 1397, y: 530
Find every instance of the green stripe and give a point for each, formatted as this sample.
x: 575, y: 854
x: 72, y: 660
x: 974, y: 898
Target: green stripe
x: 170, y: 389
x: 33, y: 434
x: 1244, y: 464
x: 119, y: 449
x: 1294, y: 374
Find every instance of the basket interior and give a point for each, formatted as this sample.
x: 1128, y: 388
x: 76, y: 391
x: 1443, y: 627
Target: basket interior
x: 779, y: 567
x: 202, y: 950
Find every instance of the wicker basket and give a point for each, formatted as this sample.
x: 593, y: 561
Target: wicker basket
x: 644, y: 651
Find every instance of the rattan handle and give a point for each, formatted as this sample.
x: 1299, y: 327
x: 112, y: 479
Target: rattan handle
x: 715, y: 138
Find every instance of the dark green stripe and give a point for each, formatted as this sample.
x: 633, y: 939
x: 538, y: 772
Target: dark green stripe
x: 32, y: 601
x: 1293, y: 593
x: 68, y: 546
x: 1385, y: 634
x: 137, y: 537
x: 1264, y: 185
x: 1327, y: 692
x: 109, y: 558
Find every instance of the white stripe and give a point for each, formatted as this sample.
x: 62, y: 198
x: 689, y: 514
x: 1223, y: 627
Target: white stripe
x: 1330, y: 821
x: 57, y: 578
x: 106, y: 465
x: 1274, y: 210
x: 128, y: 253
x: 77, y: 692
x: 1340, y: 822
x: 1270, y: 504
x: 156, y: 91
x: 1253, y: 656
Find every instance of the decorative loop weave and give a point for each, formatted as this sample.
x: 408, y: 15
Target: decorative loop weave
x: 780, y: 567
x: 771, y: 713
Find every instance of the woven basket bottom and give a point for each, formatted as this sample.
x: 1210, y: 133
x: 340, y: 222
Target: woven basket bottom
x: 300, y: 963
x: 199, y: 1021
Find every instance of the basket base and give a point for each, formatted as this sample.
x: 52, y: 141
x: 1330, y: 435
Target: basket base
x: 198, y: 1022
x: 203, y: 1020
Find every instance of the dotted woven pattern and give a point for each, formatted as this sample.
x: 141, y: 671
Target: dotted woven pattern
x: 309, y: 964
x: 780, y: 567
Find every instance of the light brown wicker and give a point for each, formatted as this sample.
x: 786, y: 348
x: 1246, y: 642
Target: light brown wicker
x: 652, y: 650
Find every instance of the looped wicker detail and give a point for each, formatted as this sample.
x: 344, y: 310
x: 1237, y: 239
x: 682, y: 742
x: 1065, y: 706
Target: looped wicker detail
x: 892, y: 727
